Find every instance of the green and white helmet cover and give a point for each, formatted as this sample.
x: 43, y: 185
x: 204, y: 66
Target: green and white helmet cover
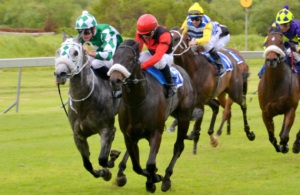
x: 85, y: 21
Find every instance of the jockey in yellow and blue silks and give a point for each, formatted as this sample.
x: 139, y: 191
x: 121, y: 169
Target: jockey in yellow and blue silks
x: 291, y: 35
x: 206, y: 33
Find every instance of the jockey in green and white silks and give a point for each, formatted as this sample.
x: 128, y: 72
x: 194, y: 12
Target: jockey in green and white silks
x: 103, y: 40
x: 291, y: 36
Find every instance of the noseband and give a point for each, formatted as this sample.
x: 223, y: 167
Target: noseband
x: 127, y: 73
x: 274, y: 48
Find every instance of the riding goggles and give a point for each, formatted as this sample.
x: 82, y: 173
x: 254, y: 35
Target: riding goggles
x: 85, y: 31
x: 195, y: 19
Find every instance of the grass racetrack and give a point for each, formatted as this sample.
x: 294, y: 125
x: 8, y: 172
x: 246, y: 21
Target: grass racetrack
x: 38, y: 155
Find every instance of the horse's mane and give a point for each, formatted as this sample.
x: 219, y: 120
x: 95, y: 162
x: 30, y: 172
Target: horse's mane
x: 275, y: 29
x: 133, y: 44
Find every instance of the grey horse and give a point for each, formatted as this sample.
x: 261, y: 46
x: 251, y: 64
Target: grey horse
x: 90, y: 109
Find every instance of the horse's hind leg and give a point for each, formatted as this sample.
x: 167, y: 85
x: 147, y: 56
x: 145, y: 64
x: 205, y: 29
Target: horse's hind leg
x: 250, y: 134
x: 195, y: 133
x: 173, y: 126
x: 296, y: 146
x: 121, y: 177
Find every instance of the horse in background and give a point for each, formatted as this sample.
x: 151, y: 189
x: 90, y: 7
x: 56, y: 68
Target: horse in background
x: 278, y: 92
x: 90, y: 108
x: 143, y: 112
x: 208, y: 86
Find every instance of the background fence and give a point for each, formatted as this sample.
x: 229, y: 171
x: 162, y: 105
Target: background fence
x: 49, y: 61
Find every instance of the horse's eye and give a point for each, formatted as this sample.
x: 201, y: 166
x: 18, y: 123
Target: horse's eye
x: 176, y: 39
x: 73, y: 53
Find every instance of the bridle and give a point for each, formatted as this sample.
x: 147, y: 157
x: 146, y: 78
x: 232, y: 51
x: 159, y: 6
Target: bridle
x: 274, y: 48
x: 75, y: 64
x: 183, y: 45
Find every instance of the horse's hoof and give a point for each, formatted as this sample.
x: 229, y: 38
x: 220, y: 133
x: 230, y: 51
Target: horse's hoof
x: 251, y: 136
x: 171, y: 129
x: 114, y: 154
x: 107, y: 174
x: 214, y: 141
x: 121, y: 181
x: 166, y: 185
x: 296, y: 148
x: 284, y: 149
x: 150, y: 187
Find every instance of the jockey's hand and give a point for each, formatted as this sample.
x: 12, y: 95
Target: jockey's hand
x: 88, y: 50
x: 192, y: 43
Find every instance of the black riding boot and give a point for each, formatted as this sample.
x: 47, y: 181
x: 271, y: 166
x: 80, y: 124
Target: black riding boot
x: 102, y: 72
x: 171, y: 88
x: 220, y: 68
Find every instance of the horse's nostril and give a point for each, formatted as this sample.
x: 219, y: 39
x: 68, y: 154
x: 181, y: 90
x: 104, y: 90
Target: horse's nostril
x: 63, y: 74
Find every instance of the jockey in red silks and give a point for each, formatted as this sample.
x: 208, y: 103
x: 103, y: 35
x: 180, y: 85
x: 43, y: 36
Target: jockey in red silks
x: 158, y: 41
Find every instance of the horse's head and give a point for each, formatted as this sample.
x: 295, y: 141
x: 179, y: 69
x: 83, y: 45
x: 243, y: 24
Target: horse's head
x: 126, y: 63
x: 274, y: 53
x: 180, y: 42
x: 69, y: 59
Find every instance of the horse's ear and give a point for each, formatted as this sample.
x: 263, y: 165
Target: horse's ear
x: 64, y: 35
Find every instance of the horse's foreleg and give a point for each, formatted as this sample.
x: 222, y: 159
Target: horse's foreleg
x: 107, y: 136
x: 83, y: 148
x: 183, y: 125
x: 270, y: 128
x: 121, y: 177
x: 296, y: 146
x: 151, y: 168
x: 284, y: 134
x: 214, y: 104
x: 226, y: 104
x: 133, y: 151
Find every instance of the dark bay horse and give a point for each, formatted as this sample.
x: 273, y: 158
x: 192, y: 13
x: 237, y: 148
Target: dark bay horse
x: 208, y: 86
x: 278, y: 92
x: 90, y: 108
x: 143, y: 112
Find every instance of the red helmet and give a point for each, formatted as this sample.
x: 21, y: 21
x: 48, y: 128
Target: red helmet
x: 146, y: 23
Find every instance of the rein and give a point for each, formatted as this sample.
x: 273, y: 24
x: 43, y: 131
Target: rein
x: 129, y: 80
x: 185, y: 47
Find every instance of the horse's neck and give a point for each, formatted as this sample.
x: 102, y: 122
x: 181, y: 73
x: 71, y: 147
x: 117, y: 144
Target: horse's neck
x: 191, y: 63
x: 277, y: 75
x: 81, y: 83
x: 134, y: 93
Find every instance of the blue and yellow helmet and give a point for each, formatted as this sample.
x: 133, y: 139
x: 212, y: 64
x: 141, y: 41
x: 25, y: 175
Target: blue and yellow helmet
x: 284, y: 16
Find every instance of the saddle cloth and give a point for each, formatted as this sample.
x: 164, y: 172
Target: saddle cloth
x: 225, y: 60
x: 177, y: 77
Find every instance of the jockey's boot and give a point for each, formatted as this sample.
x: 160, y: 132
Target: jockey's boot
x: 171, y: 88
x: 102, y: 72
x: 220, y: 68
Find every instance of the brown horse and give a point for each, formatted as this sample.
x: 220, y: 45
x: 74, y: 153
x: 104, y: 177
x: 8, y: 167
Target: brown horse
x: 144, y: 110
x: 208, y: 86
x: 278, y: 92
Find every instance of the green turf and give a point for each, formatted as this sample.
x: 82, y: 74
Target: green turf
x: 38, y: 155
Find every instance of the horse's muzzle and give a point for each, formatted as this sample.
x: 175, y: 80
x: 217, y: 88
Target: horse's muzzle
x: 272, y: 62
x: 61, y: 73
